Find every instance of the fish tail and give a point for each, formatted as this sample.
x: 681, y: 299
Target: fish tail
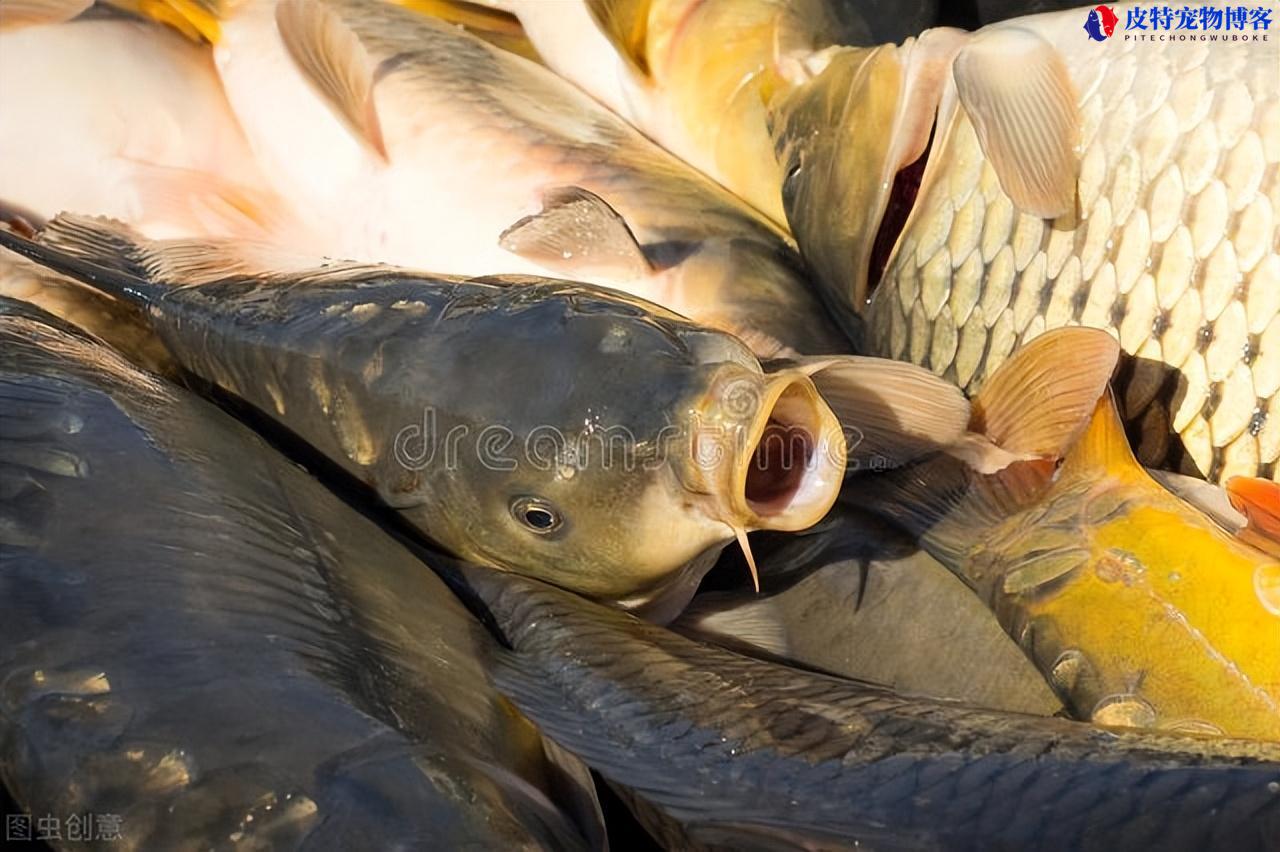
x: 101, y: 253
x: 1035, y: 409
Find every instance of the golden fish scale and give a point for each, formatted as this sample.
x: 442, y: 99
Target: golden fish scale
x: 1175, y: 253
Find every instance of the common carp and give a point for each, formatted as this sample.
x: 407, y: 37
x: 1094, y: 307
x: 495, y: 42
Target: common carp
x: 742, y: 753
x: 403, y: 139
x: 535, y: 425
x: 206, y: 647
x: 855, y: 597
x: 1127, y: 184
x: 1138, y: 608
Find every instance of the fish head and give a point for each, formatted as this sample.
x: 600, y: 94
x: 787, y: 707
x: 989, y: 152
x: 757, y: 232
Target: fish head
x: 607, y: 446
x: 843, y: 137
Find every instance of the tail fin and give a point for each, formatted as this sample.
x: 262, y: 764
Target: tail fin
x: 1041, y: 399
x: 1036, y: 406
x: 101, y: 253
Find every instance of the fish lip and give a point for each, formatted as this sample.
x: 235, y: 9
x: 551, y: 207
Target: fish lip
x: 790, y: 404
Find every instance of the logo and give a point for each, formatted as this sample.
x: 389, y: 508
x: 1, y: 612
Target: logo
x: 1100, y: 23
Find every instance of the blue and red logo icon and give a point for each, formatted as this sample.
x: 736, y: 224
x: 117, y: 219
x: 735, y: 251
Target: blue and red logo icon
x: 1101, y: 23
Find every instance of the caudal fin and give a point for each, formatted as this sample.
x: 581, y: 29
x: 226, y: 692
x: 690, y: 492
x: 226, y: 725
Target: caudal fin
x: 1042, y: 406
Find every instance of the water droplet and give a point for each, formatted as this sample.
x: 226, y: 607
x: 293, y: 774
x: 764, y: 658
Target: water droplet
x: 1174, y: 576
x: 1123, y: 711
x: 1266, y: 582
x: 1273, y: 787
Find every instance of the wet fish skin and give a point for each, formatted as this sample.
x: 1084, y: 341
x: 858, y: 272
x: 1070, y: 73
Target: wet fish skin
x: 108, y: 319
x: 696, y: 75
x: 1172, y: 247
x: 462, y: 141
x: 231, y: 654
x: 1139, y: 608
x: 419, y: 386
x: 856, y: 598
x: 756, y: 755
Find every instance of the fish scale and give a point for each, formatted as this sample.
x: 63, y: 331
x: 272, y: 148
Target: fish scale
x: 1174, y: 253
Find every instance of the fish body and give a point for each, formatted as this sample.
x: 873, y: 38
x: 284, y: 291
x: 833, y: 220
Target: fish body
x: 228, y: 653
x: 1138, y: 608
x: 1155, y: 218
x: 698, y: 75
x: 449, y: 154
x: 528, y: 424
x: 854, y: 597
x: 743, y: 753
x: 119, y: 118
x: 117, y: 324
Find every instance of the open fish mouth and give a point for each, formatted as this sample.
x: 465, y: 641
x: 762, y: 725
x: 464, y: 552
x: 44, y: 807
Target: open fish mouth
x: 790, y: 473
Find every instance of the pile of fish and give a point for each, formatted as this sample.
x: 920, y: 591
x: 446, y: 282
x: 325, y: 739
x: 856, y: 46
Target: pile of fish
x: 688, y: 424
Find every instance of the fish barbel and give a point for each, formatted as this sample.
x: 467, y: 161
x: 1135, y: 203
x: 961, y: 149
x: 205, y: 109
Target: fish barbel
x: 534, y: 425
x: 1138, y: 608
x: 202, y: 640
x: 746, y: 754
x: 1126, y: 185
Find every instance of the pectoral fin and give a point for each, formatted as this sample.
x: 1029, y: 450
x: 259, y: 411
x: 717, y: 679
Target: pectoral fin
x: 330, y: 55
x: 578, y: 234
x: 15, y: 14
x: 1018, y: 93
x: 892, y: 412
x: 733, y: 619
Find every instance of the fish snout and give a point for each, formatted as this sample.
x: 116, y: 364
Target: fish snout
x: 770, y: 451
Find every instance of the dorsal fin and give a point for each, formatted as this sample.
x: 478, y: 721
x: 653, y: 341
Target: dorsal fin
x: 330, y: 55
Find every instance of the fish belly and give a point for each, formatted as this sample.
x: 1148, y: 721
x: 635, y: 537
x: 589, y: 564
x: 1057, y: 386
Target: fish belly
x: 1172, y: 250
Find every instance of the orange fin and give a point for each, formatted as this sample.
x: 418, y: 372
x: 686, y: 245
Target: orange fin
x: 1259, y: 501
x: 1043, y: 397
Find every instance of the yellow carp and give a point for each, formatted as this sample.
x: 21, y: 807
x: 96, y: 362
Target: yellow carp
x: 1139, y: 609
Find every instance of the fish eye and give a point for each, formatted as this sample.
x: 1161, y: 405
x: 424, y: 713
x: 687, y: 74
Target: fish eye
x: 536, y: 515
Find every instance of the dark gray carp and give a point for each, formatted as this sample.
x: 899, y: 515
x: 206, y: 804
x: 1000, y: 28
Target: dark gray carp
x: 200, y: 641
